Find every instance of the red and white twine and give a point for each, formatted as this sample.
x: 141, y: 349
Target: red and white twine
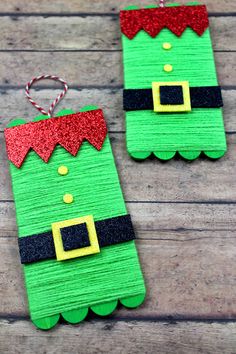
x: 55, y: 102
x: 162, y: 3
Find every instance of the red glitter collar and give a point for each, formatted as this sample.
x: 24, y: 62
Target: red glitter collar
x: 176, y: 19
x: 43, y: 136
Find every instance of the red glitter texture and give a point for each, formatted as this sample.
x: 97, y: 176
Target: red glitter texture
x: 176, y: 19
x: 42, y: 136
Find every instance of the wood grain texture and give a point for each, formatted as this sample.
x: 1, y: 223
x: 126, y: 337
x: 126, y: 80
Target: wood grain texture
x: 188, y: 269
x: 155, y: 217
x: 183, y: 213
x: 112, y: 337
x: 99, y: 6
x: 85, y: 69
x: 86, y: 33
x: 200, y: 181
x: 110, y: 100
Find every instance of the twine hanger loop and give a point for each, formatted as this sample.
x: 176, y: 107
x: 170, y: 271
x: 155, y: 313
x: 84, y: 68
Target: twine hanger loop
x: 57, y: 99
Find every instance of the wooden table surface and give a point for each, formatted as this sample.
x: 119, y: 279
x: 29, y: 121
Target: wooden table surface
x: 184, y: 212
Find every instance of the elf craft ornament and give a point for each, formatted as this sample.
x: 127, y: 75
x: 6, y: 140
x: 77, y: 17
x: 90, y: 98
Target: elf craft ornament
x: 171, y: 97
x: 76, y: 239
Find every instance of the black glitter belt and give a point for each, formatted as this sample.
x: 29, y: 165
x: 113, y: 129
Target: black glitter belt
x: 172, y: 95
x: 75, y: 238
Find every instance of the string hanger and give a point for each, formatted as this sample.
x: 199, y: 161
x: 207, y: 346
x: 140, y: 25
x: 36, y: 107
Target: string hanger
x: 162, y: 3
x: 55, y: 102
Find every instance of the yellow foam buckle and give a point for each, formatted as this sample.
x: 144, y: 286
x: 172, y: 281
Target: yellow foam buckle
x: 61, y: 254
x: 158, y: 107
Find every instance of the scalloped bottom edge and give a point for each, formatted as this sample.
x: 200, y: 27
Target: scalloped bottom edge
x: 168, y: 155
x: 76, y: 316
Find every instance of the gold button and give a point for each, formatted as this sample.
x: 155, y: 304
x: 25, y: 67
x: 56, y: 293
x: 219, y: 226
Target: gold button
x: 166, y: 46
x: 68, y: 198
x: 62, y: 170
x: 168, y: 68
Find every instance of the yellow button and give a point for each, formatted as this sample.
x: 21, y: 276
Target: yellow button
x: 62, y: 170
x: 68, y: 198
x: 166, y: 46
x: 168, y: 68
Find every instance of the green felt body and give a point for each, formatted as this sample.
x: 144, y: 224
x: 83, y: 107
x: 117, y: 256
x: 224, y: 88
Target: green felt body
x: 56, y: 287
x: 190, y: 133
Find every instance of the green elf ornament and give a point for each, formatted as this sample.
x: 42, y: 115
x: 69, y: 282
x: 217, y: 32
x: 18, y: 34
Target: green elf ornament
x: 171, y: 97
x: 76, y: 239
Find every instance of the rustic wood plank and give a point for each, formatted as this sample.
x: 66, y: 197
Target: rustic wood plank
x: 185, y: 279
x: 99, y: 6
x: 87, y: 33
x: 120, y: 337
x: 199, y: 181
x: 156, y: 217
x: 85, y: 69
x: 110, y: 100
x: 187, y: 252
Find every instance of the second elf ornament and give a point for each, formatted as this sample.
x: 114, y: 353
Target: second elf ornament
x: 171, y: 97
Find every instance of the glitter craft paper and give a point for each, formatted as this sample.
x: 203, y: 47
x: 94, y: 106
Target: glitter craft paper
x: 43, y: 136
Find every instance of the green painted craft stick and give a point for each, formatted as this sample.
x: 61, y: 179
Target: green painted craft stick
x: 104, y: 309
x: 75, y: 316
